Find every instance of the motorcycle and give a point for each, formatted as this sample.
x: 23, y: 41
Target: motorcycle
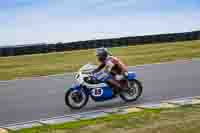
x: 88, y: 86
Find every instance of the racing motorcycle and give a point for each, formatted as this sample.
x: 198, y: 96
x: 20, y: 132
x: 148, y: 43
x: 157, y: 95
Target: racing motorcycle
x: 87, y: 86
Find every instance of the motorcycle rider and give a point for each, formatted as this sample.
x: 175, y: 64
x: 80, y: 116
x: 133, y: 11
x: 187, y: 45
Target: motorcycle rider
x: 113, y: 69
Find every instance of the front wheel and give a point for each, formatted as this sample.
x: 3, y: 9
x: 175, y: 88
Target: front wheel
x: 76, y: 99
x: 134, y: 92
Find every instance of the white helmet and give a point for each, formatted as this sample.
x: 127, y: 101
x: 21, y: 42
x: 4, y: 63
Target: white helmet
x: 102, y: 53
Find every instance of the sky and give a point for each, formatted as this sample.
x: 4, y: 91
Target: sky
x: 51, y: 21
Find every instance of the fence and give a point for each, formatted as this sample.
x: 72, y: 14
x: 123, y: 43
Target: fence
x: 115, y: 42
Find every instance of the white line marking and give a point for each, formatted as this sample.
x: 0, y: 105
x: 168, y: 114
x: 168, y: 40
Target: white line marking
x: 96, y: 111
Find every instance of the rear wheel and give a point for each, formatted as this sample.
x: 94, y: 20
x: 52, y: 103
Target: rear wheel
x: 76, y: 99
x: 134, y: 91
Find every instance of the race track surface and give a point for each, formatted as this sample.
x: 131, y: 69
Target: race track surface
x: 43, y: 97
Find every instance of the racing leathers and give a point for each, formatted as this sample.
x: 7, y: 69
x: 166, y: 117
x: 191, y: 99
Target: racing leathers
x: 110, y: 71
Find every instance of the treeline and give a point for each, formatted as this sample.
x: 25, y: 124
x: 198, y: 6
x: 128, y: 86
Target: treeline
x: 114, y: 42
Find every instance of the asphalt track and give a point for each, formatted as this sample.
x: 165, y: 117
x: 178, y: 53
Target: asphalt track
x: 43, y: 97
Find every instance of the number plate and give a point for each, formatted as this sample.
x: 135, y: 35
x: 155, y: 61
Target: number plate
x: 97, y: 92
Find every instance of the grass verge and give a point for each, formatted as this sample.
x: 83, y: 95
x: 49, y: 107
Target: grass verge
x: 184, y: 119
x: 55, y: 63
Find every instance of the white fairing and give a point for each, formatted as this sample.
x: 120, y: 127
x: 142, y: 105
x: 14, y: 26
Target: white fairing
x: 85, y: 72
x: 88, y: 68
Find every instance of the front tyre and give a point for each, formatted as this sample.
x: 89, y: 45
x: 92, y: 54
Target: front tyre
x: 76, y: 99
x: 134, y: 92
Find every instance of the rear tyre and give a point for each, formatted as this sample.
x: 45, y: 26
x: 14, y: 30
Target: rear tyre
x: 134, y: 92
x: 76, y: 99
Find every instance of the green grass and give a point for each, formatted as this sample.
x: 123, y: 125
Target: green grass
x: 179, y: 120
x: 55, y: 63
